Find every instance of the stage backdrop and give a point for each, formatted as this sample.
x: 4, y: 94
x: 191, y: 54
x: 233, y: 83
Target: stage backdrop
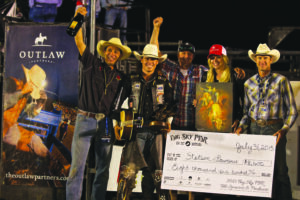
x: 40, y: 92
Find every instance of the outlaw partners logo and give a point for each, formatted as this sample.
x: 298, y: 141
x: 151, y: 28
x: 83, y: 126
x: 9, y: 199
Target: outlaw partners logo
x: 40, y: 54
x: 39, y: 41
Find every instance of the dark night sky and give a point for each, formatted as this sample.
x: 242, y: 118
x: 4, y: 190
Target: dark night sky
x: 233, y: 23
x: 236, y: 24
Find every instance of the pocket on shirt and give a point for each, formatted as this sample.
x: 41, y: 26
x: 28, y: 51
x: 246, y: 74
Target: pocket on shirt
x: 253, y: 94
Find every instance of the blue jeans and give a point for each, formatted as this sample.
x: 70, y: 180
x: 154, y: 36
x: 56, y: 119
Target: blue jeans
x: 114, y: 14
x: 85, y: 129
x: 43, y: 13
x: 281, y: 181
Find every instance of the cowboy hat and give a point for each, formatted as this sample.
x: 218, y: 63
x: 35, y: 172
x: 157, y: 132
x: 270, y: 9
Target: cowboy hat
x: 125, y: 50
x: 37, y: 76
x: 263, y: 49
x: 151, y: 51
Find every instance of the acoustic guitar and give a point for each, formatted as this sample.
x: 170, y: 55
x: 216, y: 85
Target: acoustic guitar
x: 128, y: 123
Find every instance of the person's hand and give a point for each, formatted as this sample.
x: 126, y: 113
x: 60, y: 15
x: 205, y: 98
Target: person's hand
x: 235, y: 125
x: 238, y: 131
x: 279, y: 134
x: 117, y: 129
x: 240, y: 73
x: 82, y: 10
x: 167, y: 129
x: 157, y: 22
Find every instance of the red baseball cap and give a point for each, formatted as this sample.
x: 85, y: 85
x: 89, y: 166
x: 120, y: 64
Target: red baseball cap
x: 217, y: 49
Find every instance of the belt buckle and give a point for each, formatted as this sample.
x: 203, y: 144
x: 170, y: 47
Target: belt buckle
x: 261, y: 122
x: 99, y: 116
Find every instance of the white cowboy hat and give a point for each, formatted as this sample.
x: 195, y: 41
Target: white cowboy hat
x: 151, y: 51
x: 125, y: 50
x: 37, y: 76
x: 263, y: 49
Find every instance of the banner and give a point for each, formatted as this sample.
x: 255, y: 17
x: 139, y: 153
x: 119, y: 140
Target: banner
x: 40, y: 92
x: 220, y: 163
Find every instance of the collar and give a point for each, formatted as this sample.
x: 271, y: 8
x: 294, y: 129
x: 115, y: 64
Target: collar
x: 260, y: 79
x: 152, y: 79
x: 190, y: 69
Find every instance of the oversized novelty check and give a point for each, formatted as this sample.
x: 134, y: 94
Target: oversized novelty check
x: 221, y: 163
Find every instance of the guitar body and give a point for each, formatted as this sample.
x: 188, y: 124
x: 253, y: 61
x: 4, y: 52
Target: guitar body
x: 127, y: 122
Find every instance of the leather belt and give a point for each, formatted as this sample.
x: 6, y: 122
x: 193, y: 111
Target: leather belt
x: 262, y: 122
x: 97, y: 116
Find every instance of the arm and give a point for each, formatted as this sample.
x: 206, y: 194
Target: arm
x: 240, y: 73
x: 157, y: 22
x: 79, y: 36
x: 292, y: 113
x: 289, y: 101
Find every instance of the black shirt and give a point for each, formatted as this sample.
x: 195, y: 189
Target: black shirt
x: 149, y: 105
x: 97, y: 77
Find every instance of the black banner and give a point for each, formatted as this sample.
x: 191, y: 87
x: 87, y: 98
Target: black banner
x: 40, y: 92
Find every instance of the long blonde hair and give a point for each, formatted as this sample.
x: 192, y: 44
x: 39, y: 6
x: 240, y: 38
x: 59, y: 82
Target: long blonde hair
x: 225, y: 77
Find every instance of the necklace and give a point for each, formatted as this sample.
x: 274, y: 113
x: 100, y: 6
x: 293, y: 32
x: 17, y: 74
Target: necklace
x: 107, y: 84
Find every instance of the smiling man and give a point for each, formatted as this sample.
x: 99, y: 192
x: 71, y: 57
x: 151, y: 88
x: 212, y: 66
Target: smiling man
x: 151, y: 101
x: 270, y: 109
x: 100, y: 84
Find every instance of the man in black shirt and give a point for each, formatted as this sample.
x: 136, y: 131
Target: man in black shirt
x: 151, y: 100
x: 100, y: 83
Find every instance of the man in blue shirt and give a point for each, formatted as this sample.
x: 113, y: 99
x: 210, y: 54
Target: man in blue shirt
x: 270, y: 109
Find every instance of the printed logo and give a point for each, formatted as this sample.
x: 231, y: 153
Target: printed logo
x: 38, y: 56
x: 39, y: 41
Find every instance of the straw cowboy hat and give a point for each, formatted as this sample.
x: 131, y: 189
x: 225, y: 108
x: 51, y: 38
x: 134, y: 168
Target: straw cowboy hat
x: 125, y: 50
x: 151, y: 51
x: 263, y: 49
x: 37, y: 76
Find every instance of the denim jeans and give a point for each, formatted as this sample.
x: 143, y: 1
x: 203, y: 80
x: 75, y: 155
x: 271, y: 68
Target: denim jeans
x: 85, y: 129
x: 281, y: 181
x: 43, y: 13
x: 114, y: 14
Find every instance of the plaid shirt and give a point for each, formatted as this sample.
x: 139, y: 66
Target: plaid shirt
x: 184, y: 91
x: 274, y: 94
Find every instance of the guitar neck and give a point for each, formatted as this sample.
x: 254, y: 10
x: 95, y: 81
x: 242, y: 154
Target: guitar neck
x: 135, y: 122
